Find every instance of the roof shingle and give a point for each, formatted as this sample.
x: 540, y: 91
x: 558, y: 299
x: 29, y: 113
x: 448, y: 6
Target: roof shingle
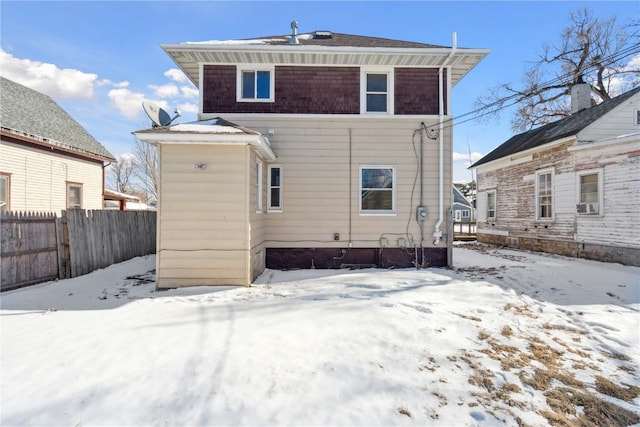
x: 550, y: 132
x: 35, y: 114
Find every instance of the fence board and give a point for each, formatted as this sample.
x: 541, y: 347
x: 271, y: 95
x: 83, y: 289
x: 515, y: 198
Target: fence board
x: 28, y: 250
x: 40, y: 247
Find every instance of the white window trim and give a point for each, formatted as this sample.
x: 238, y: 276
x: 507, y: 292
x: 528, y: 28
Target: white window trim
x: 394, y: 191
x: 258, y: 186
x: 363, y: 89
x: 466, y: 213
x: 600, y: 174
x: 495, y: 203
x: 269, y: 207
x: 251, y: 67
x: 537, y: 195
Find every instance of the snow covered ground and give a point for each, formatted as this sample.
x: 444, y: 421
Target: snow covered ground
x: 505, y: 338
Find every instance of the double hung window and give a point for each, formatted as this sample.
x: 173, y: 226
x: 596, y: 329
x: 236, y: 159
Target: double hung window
x: 275, y: 188
x: 544, y: 194
x: 74, y: 195
x: 377, y: 190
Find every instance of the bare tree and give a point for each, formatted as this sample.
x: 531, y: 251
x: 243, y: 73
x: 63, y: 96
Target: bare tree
x: 120, y: 174
x: 146, y: 169
x: 599, y: 51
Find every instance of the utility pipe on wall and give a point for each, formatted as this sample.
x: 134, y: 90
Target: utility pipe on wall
x: 437, y: 233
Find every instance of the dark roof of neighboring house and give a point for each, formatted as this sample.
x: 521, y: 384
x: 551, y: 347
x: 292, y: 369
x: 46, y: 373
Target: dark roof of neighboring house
x: 328, y: 38
x: 550, y: 132
x: 30, y: 113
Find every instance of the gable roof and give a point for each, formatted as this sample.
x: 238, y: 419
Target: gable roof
x: 569, y: 126
x: 323, y: 48
x: 458, y: 197
x: 26, y: 112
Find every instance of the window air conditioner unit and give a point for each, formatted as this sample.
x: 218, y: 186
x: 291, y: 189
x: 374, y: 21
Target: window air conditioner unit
x: 587, y: 208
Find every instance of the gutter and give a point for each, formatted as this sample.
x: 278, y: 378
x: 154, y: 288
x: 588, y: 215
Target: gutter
x: 437, y: 232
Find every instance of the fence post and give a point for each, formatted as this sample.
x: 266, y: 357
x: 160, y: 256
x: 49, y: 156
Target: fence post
x: 64, y: 254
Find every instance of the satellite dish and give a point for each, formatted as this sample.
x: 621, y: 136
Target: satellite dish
x: 158, y: 115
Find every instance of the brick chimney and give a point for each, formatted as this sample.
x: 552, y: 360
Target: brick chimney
x: 580, y: 96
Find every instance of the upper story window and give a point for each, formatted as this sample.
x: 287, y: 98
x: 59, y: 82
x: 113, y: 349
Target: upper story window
x: 74, y: 195
x: 255, y: 85
x: 377, y: 190
x: 544, y: 194
x: 376, y: 95
x: 5, y: 191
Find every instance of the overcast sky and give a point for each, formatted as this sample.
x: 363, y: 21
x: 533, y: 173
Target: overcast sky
x: 100, y: 59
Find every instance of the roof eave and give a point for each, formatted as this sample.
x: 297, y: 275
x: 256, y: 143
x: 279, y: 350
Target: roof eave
x: 165, y: 136
x: 189, y: 56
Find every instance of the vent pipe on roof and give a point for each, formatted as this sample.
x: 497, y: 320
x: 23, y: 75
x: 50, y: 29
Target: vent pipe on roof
x: 294, y: 33
x: 580, y: 95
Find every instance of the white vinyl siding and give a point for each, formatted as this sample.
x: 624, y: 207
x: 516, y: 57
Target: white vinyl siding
x: 39, y: 178
x: 204, y: 215
x: 322, y: 190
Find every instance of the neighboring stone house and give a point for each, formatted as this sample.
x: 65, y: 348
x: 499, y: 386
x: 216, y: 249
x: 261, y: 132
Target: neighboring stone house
x: 571, y: 187
x: 48, y: 162
x: 316, y: 150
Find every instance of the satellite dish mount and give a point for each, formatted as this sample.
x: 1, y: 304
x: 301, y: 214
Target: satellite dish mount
x: 159, y: 116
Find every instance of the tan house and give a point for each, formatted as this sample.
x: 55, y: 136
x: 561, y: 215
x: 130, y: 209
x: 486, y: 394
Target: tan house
x: 571, y: 187
x: 48, y: 162
x: 317, y: 150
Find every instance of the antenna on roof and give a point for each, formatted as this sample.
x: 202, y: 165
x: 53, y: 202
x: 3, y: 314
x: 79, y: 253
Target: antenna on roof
x: 294, y: 33
x: 158, y: 115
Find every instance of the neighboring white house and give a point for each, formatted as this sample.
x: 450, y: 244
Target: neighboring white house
x: 305, y: 157
x: 571, y: 187
x: 48, y: 162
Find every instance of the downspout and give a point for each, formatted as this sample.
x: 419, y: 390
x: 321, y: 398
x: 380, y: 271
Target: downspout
x: 437, y: 233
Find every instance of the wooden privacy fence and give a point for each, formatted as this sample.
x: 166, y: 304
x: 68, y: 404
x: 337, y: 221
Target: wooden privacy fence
x: 28, y: 249
x: 38, y: 247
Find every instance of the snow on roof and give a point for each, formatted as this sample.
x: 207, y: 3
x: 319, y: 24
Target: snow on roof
x: 269, y: 40
x: 206, y: 126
